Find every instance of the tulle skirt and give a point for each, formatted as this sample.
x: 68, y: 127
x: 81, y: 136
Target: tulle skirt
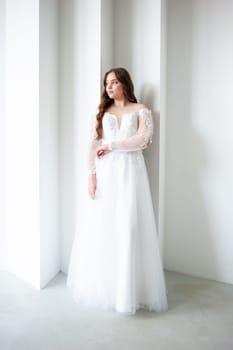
x: 115, y: 261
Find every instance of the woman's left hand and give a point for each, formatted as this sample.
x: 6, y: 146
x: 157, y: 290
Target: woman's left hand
x: 102, y: 151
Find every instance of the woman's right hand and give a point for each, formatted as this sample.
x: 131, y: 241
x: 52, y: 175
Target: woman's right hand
x: 92, y: 185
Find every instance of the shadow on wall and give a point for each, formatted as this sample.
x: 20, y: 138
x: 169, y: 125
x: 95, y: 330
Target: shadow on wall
x: 123, y: 19
x: 67, y: 129
x: 189, y: 245
x: 148, y: 97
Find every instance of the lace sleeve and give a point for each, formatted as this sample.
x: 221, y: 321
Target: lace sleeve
x: 92, y: 148
x: 142, y: 139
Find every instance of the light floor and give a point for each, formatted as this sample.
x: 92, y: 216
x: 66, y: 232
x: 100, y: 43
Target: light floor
x: 200, y: 316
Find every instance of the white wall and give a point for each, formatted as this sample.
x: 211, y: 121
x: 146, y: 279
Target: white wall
x: 49, y: 141
x: 3, y: 240
x: 137, y: 31
x: 199, y: 168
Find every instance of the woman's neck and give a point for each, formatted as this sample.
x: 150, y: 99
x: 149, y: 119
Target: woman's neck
x: 121, y: 104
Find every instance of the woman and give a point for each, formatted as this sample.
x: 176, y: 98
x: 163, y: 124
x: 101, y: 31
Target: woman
x: 115, y: 261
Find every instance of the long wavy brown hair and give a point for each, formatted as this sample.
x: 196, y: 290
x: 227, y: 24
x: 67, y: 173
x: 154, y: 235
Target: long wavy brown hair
x: 124, y: 78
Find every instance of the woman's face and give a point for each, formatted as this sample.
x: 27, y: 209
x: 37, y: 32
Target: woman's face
x: 114, y: 87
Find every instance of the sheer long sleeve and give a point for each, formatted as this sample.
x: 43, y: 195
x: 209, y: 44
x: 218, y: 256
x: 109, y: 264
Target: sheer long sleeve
x: 142, y: 139
x: 92, y: 148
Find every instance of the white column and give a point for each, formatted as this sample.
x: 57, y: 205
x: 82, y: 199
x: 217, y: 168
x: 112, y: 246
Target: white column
x: 3, y: 241
x: 32, y: 140
x: 87, y: 86
x: 107, y: 33
x: 81, y: 62
x: 22, y: 139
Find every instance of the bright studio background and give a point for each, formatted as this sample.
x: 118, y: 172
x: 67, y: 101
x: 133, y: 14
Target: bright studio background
x: 53, y: 56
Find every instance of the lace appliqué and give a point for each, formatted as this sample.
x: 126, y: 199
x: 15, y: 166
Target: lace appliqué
x: 146, y: 128
x: 93, y: 145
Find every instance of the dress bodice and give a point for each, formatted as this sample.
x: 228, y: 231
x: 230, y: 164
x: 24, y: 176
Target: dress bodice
x: 132, y: 134
x: 128, y: 126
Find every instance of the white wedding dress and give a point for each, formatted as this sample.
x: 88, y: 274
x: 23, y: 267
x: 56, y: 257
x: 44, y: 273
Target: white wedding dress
x: 115, y: 261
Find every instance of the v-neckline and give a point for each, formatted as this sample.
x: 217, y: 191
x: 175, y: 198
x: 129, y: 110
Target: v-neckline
x: 122, y: 117
x: 119, y: 120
